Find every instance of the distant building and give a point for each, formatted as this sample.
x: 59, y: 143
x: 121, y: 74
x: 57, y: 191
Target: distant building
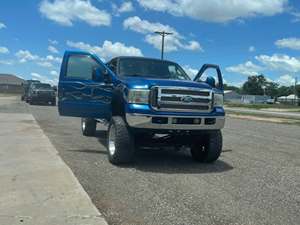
x: 255, y: 99
x: 232, y: 96
x: 290, y: 99
x: 10, y: 84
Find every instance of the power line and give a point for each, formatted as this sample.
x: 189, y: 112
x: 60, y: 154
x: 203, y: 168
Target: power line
x: 162, y: 34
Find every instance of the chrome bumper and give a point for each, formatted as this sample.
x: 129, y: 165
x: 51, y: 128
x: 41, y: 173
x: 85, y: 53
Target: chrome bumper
x: 145, y: 122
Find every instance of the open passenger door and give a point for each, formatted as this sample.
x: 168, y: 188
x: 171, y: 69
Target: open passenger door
x: 85, y: 86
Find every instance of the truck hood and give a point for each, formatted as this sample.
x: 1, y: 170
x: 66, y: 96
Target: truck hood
x: 136, y: 82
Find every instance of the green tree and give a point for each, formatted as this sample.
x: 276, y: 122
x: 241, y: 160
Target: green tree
x: 272, y: 89
x: 285, y: 91
x: 298, y: 90
x: 254, y: 85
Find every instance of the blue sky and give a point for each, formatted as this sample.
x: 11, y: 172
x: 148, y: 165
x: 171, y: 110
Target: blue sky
x: 245, y: 37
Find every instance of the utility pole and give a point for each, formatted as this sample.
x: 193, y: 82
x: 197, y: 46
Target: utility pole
x: 163, y: 34
x: 295, y: 91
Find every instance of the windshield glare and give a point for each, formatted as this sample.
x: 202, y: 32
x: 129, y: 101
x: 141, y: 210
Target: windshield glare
x: 152, y: 69
x: 42, y: 86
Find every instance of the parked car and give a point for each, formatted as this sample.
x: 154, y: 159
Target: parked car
x: 270, y: 101
x: 41, y: 93
x: 26, y: 87
x: 146, y: 102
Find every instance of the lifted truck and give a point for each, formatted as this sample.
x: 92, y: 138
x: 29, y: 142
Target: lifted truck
x: 146, y: 102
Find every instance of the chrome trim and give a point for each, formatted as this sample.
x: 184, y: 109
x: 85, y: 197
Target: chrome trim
x: 145, y: 122
x: 112, y: 140
x: 193, y: 103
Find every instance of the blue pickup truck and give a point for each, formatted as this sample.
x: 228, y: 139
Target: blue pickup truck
x: 146, y: 102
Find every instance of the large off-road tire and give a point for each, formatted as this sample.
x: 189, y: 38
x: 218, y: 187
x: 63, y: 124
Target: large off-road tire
x: 88, y: 126
x: 53, y: 103
x: 120, y: 144
x: 208, y: 148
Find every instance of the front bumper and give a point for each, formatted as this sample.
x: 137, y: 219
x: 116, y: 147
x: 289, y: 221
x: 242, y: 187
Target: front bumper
x: 145, y: 121
x: 38, y: 98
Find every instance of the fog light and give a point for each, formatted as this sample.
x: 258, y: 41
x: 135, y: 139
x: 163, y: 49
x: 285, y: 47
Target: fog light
x: 197, y: 121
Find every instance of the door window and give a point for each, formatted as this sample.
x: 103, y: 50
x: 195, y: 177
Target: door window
x: 81, y: 66
x: 210, y: 72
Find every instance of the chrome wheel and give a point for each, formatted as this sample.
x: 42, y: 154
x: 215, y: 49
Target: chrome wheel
x: 83, y: 124
x: 112, y: 140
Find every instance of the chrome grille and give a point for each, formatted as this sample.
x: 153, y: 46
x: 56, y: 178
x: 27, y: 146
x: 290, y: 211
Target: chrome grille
x: 181, y: 99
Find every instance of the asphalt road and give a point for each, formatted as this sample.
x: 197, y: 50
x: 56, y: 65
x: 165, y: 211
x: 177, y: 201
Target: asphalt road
x: 255, y: 181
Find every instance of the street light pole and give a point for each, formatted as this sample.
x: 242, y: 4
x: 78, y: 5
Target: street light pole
x: 295, y: 91
x: 163, y: 34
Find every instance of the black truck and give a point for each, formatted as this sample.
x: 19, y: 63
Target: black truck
x: 41, y: 93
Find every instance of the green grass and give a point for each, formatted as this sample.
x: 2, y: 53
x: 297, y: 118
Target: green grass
x: 262, y: 106
x: 8, y: 95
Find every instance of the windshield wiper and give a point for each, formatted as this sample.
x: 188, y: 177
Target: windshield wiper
x: 135, y: 75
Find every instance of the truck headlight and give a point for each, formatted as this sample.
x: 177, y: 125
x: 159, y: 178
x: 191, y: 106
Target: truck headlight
x: 218, y: 100
x: 138, y: 96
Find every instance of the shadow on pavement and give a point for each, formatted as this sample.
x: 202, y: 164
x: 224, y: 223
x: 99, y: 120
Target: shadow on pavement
x: 91, y: 151
x: 169, y: 161
x: 162, y: 160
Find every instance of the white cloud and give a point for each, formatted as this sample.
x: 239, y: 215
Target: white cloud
x: 108, y: 49
x: 53, y: 42
x: 280, y: 62
x: 54, y: 73
x: 286, y: 80
x: 3, y: 50
x: 2, y: 26
x: 251, y: 49
x: 7, y: 62
x: 219, y: 11
x: 44, y: 79
x: 248, y: 68
x: 52, y: 49
x: 65, y: 12
x: 45, y: 64
x: 26, y: 56
x: 291, y: 43
x: 36, y: 75
x: 173, y: 42
x: 190, y: 71
x: 296, y: 18
x: 126, y: 7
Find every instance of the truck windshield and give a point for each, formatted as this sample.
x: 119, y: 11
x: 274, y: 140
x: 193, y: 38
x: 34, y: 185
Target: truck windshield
x: 149, y: 68
x: 42, y: 86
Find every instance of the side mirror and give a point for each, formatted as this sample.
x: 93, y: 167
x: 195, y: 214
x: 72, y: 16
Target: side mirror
x: 211, y: 81
x: 101, y: 75
x: 96, y: 74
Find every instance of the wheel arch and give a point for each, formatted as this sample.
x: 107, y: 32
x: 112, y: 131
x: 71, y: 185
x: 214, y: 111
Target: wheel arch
x: 118, y: 103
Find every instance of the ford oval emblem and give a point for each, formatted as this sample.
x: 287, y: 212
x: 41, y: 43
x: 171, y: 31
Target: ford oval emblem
x: 187, y: 99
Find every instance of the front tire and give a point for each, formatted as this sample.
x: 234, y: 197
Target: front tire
x: 120, y: 142
x: 88, y: 126
x: 208, y: 149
